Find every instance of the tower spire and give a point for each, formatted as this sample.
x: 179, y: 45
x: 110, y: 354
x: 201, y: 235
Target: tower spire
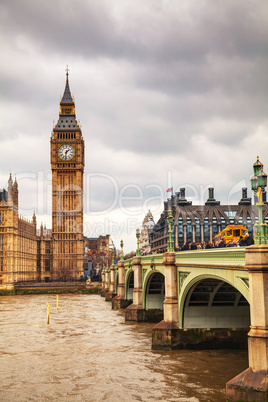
x: 67, y: 96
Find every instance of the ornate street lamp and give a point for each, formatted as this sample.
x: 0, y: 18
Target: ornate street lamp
x: 258, y: 184
x: 122, y: 253
x: 170, y: 243
x: 138, y: 252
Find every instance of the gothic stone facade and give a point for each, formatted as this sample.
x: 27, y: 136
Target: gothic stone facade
x: 31, y: 254
x: 25, y: 252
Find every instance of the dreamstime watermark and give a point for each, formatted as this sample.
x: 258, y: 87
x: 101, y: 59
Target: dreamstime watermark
x: 102, y: 194
x: 118, y: 229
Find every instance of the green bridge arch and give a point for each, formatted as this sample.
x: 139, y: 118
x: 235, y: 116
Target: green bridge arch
x: 236, y: 281
x: 224, y: 268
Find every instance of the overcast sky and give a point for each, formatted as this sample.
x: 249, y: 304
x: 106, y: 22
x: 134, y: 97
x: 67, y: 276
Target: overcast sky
x: 168, y: 93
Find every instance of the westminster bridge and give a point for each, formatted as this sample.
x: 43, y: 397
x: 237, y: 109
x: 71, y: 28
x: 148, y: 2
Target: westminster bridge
x: 209, y: 289
x: 201, y: 299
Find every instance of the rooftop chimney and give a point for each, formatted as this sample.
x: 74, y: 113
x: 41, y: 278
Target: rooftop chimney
x: 182, y: 200
x: 211, y: 200
x: 245, y: 200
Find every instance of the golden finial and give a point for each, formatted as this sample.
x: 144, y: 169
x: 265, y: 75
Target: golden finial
x: 257, y: 158
x: 67, y: 70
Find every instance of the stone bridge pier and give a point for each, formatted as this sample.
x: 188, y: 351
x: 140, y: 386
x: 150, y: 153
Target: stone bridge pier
x: 102, y: 281
x: 105, y: 281
x: 120, y: 301
x: 135, y: 311
x: 111, y: 290
x: 164, y: 334
x: 252, y: 384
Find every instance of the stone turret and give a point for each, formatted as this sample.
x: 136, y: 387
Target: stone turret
x: 41, y: 230
x: 10, y: 191
x: 34, y: 219
x: 15, y: 192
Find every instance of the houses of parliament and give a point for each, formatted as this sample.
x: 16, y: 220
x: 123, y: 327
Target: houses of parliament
x: 28, y: 253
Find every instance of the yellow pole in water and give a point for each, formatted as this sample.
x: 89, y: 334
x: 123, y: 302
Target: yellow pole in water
x: 47, y: 313
x: 57, y: 302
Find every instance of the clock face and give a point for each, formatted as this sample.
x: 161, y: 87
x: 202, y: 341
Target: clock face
x: 66, y: 152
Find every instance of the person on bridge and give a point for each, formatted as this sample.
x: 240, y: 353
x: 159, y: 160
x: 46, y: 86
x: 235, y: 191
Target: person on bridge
x: 193, y: 246
x: 248, y: 240
x: 222, y: 243
x: 185, y: 246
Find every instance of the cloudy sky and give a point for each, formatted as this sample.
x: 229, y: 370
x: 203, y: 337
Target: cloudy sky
x: 168, y: 93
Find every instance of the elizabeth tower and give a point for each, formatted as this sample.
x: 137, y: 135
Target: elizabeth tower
x: 67, y: 164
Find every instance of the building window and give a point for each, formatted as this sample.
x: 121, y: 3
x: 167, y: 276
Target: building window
x: 230, y: 214
x: 223, y: 223
x: 189, y: 230
x: 47, y: 265
x: 197, y: 233
x: 206, y: 233
x: 1, y: 264
x: 38, y: 248
x: 47, y: 247
x: 1, y: 243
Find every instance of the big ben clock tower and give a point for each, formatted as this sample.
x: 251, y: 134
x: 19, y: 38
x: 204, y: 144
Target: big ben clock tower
x: 67, y: 164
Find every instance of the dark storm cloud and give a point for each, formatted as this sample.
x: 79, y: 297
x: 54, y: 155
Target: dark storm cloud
x: 160, y: 86
x: 162, y: 31
x: 61, y: 26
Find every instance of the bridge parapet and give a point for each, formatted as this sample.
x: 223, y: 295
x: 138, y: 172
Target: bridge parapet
x: 224, y: 257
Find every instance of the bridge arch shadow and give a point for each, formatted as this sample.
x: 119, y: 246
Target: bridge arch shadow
x: 154, y: 291
x: 130, y: 284
x: 211, y: 302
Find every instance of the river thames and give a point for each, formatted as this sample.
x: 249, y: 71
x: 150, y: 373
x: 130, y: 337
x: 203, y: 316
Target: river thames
x: 88, y: 353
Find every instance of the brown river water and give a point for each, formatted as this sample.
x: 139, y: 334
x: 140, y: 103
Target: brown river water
x: 88, y: 353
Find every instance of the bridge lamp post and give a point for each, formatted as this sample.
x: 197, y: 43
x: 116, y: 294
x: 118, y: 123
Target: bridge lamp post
x: 258, y: 184
x: 122, y: 253
x: 138, y: 252
x: 170, y: 245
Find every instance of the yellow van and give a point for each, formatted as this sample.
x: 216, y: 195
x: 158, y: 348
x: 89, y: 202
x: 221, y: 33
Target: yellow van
x: 231, y: 232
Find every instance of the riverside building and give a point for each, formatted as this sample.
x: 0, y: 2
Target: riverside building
x: 200, y: 223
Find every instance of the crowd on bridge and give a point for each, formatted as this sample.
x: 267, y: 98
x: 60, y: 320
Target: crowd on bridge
x: 191, y: 245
